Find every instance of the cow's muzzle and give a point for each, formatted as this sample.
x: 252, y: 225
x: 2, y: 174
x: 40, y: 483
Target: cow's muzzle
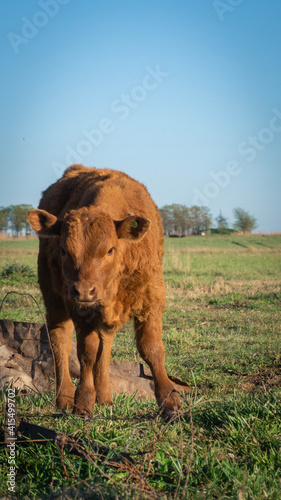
x: 83, y: 294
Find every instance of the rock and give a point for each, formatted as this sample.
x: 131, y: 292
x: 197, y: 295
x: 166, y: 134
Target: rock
x: 27, y: 363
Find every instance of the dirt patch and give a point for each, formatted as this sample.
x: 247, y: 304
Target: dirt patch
x: 264, y: 379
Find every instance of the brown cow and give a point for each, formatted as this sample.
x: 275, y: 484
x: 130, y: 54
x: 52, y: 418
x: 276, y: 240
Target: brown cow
x: 100, y: 264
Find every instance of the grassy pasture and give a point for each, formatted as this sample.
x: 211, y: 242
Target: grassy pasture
x: 221, y: 331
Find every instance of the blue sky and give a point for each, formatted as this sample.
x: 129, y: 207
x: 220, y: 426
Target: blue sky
x: 184, y: 96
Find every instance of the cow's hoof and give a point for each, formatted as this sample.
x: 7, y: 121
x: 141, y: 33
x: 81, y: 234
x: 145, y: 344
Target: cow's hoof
x: 81, y: 411
x: 65, y: 396
x: 65, y: 403
x: 84, y: 401
x: 105, y: 402
x: 104, y: 397
x: 171, y: 407
x: 172, y: 416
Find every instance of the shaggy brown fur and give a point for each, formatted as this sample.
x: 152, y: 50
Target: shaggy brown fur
x: 100, y: 264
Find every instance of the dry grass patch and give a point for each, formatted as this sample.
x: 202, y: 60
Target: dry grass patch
x: 190, y: 290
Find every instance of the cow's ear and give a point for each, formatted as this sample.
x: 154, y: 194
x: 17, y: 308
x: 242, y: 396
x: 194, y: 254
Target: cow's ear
x: 44, y: 224
x: 132, y: 228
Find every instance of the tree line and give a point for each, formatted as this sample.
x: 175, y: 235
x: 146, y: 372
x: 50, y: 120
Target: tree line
x: 177, y: 219
x: 182, y: 220
x: 13, y: 220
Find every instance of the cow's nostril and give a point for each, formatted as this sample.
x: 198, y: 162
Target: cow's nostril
x: 75, y: 292
x: 93, y: 293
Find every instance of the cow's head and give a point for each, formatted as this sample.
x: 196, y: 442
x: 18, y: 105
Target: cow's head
x: 91, y: 246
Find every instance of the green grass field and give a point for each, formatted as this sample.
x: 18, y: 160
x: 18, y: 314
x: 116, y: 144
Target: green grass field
x: 221, y: 331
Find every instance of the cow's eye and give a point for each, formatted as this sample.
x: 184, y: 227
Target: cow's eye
x: 110, y: 252
x: 62, y: 251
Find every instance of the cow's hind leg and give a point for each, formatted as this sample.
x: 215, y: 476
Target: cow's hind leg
x: 151, y: 349
x: 93, y: 351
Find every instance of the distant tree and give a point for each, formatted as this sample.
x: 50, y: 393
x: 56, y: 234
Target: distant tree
x: 4, y: 219
x: 244, y: 221
x: 221, y: 223
x: 175, y: 218
x: 167, y: 218
x: 26, y: 226
x: 181, y: 218
x: 17, y: 219
x: 206, y: 218
x: 196, y: 223
x: 201, y: 219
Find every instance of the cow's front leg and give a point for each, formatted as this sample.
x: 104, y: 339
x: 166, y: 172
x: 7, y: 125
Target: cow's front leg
x: 61, y: 340
x: 87, y: 349
x: 151, y: 349
x: 101, y: 369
